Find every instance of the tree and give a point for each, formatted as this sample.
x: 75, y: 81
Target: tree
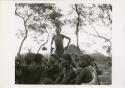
x: 77, y: 9
x: 78, y: 21
x: 44, y: 17
x: 48, y: 16
x: 44, y: 26
x: 22, y: 12
x: 90, y: 15
x: 103, y: 15
x: 55, y: 18
x: 106, y: 10
x: 41, y: 20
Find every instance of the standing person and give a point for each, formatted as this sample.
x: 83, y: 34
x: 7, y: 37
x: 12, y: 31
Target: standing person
x: 58, y: 39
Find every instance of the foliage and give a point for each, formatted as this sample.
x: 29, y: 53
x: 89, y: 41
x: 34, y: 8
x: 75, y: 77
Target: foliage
x: 55, y: 18
x: 22, y: 11
x: 38, y: 18
x: 27, y: 60
x: 92, y: 15
x: 41, y: 17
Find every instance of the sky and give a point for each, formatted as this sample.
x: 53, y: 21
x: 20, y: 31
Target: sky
x: 86, y: 42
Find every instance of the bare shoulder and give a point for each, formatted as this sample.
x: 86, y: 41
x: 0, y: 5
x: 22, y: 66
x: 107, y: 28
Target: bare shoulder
x: 84, y: 70
x: 62, y: 35
x: 54, y: 36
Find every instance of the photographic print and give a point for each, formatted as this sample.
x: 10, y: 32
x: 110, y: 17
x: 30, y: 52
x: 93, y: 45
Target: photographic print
x: 63, y: 43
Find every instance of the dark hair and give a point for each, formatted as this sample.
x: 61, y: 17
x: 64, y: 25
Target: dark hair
x: 54, y: 56
x: 38, y: 58
x: 67, y: 57
x: 87, y: 59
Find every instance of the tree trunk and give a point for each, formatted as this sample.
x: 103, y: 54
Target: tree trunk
x: 77, y: 33
x: 77, y: 25
x: 77, y: 39
x: 43, y: 43
x: 26, y: 33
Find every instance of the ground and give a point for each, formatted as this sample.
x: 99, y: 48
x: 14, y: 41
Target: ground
x: 104, y: 63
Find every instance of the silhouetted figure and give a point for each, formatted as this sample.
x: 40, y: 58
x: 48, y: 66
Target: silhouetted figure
x: 87, y: 74
x: 19, y: 68
x: 58, y: 39
x: 33, y: 71
x: 67, y: 74
x: 53, y: 68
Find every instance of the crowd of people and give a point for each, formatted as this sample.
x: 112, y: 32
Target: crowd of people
x: 59, y: 68
x: 36, y: 69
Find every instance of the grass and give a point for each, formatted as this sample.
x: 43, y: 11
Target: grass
x: 104, y: 63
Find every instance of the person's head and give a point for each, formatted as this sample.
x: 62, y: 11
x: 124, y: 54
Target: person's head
x: 58, y: 25
x: 53, y: 58
x: 66, y: 60
x: 38, y: 58
x: 84, y: 61
x: 58, y: 30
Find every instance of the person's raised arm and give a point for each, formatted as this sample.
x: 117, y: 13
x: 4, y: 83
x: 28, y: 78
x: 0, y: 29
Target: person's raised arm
x: 80, y: 77
x: 68, y: 42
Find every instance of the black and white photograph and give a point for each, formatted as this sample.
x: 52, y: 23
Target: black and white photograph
x: 63, y: 43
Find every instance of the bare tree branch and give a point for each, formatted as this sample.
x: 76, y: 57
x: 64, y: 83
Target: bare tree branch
x: 45, y: 42
x: 100, y: 37
x: 45, y: 18
x: 26, y: 31
x: 95, y: 30
x: 16, y: 13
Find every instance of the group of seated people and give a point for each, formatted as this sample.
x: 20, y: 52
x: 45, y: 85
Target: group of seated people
x: 54, y: 70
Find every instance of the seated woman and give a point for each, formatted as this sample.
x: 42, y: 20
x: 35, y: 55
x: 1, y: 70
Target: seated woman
x: 67, y: 74
x: 53, y: 68
x: 33, y: 71
x: 87, y: 74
